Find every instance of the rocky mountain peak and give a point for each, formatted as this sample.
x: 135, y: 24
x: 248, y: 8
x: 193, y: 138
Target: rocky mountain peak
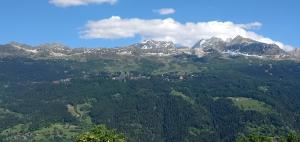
x: 295, y: 53
x: 239, y: 46
x: 207, y: 42
x: 251, y: 47
x: 153, y: 44
x: 210, y: 45
x: 241, y: 40
x: 56, y: 46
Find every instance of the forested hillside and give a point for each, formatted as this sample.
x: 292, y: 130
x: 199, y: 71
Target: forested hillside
x: 149, y: 99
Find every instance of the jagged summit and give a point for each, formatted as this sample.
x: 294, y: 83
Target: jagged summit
x: 54, y: 49
x: 153, y: 44
x: 210, y: 44
x: 241, y: 40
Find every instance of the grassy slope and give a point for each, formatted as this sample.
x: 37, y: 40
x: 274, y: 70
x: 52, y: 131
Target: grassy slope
x: 251, y: 104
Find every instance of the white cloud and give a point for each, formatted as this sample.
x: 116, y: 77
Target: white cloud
x: 249, y: 26
x: 170, y: 30
x: 165, y: 11
x: 68, y: 3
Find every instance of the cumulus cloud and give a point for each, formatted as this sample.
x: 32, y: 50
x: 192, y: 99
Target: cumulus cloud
x: 68, y: 3
x: 171, y: 30
x: 165, y: 11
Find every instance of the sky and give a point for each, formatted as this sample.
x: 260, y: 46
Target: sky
x: 112, y: 23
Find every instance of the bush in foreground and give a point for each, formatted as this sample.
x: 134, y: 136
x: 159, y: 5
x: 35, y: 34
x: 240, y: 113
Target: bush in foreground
x: 100, y: 134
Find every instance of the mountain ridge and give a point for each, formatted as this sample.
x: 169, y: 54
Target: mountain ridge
x: 238, y: 46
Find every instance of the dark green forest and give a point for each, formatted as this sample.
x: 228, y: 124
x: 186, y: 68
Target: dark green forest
x: 167, y: 99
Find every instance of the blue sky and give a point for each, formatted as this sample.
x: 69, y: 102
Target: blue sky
x: 38, y: 21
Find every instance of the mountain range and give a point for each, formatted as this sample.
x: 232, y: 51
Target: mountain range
x: 238, y: 46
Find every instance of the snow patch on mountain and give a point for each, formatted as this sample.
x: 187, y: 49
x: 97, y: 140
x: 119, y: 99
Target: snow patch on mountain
x: 24, y: 49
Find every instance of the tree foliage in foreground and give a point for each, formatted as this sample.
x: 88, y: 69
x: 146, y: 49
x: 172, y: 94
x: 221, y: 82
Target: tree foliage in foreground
x: 291, y: 137
x: 100, y: 134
